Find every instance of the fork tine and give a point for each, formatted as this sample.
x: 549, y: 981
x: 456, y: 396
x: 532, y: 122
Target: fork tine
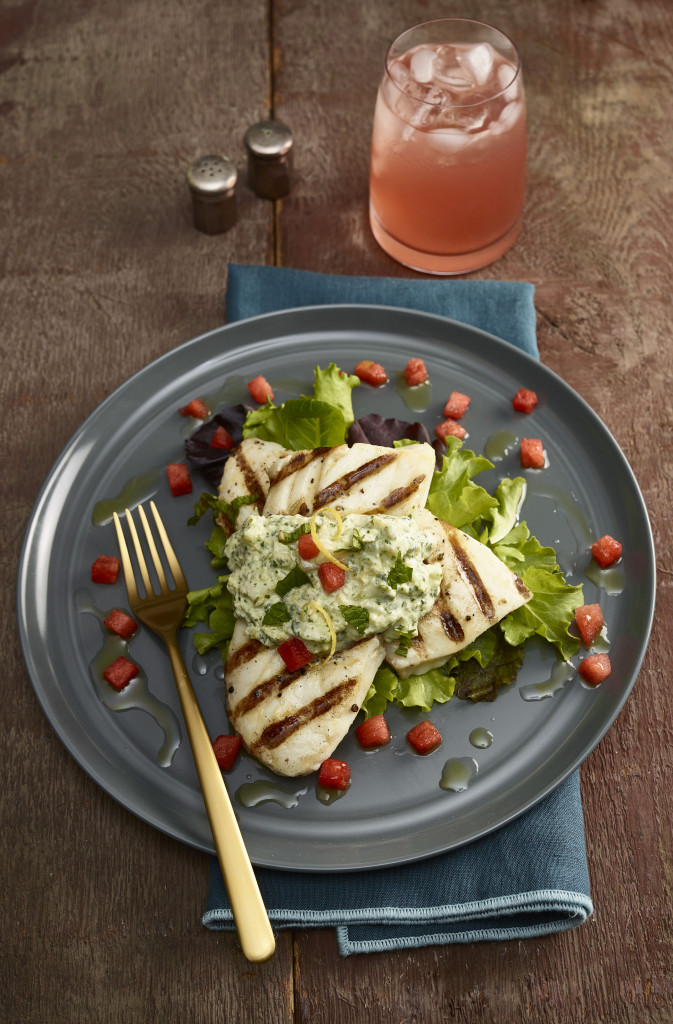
x: 171, y: 557
x: 153, y: 550
x: 139, y: 553
x: 126, y: 561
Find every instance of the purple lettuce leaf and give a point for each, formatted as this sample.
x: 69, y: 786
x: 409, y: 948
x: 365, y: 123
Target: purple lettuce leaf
x: 210, y: 461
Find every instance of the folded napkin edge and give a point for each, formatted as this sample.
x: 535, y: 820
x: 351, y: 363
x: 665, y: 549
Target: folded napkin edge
x: 540, y: 901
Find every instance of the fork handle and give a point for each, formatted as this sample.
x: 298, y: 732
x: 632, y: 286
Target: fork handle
x: 250, y: 917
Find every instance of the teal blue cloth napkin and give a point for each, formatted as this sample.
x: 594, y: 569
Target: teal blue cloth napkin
x: 528, y: 878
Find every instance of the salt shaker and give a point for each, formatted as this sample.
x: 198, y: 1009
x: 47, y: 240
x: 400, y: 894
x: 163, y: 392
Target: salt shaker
x: 269, y: 146
x: 212, y: 180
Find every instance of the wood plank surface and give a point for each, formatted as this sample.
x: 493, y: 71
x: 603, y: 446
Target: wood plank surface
x: 102, y: 108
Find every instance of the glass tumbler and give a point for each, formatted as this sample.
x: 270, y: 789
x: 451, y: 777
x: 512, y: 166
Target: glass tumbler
x: 448, y: 156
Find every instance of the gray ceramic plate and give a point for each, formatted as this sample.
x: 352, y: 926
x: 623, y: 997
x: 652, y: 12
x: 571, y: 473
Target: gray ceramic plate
x: 395, y: 810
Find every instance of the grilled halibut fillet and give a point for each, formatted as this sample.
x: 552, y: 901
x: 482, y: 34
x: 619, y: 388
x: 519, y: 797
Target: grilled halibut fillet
x: 477, y: 591
x: 246, y: 473
x: 361, y: 478
x: 292, y: 721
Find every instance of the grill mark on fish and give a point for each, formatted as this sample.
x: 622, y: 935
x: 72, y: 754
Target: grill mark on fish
x: 480, y: 592
x: 278, y: 732
x: 252, y: 483
x: 275, y: 684
x: 399, y: 495
x: 246, y: 652
x: 450, y: 624
x: 297, y: 462
x: 344, y: 483
x: 521, y: 586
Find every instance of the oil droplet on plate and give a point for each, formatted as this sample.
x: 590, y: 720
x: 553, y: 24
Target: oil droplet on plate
x: 250, y: 794
x: 562, y: 672
x: 200, y: 665
x: 135, y: 696
x: 499, y: 445
x: 133, y: 493
x: 416, y: 398
x: 481, y: 738
x: 328, y: 796
x: 611, y: 580
x: 457, y: 774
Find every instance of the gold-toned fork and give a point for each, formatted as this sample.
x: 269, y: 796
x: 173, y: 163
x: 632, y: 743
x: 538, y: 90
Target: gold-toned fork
x: 163, y: 613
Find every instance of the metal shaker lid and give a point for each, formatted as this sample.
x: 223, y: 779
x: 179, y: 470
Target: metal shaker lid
x: 212, y: 181
x: 268, y: 140
x: 211, y: 175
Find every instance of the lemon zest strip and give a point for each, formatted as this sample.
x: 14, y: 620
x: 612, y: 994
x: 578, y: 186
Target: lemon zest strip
x: 332, y: 631
x: 319, y: 544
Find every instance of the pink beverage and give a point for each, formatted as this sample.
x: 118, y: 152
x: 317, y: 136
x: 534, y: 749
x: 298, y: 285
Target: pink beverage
x: 448, y: 159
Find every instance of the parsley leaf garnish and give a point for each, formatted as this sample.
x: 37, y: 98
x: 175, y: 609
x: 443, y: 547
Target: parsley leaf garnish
x: 276, y: 615
x: 399, y: 574
x: 295, y: 578
x: 355, y: 616
x: 406, y: 640
x: 292, y: 536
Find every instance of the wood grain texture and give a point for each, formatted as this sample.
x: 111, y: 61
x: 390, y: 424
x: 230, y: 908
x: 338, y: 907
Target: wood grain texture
x: 102, y: 108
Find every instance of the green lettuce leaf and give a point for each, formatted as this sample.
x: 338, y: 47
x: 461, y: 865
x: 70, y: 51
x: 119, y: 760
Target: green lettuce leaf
x: 433, y: 687
x: 453, y: 496
x: 503, y: 517
x: 212, y: 605
x: 415, y: 692
x: 382, y: 690
x: 335, y: 387
x: 550, y: 611
x: 298, y: 424
x: 316, y: 421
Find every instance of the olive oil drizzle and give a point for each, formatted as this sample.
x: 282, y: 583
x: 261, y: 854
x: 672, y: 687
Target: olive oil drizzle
x: 135, y: 696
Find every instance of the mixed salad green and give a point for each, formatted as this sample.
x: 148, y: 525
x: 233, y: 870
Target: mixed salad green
x: 493, y: 660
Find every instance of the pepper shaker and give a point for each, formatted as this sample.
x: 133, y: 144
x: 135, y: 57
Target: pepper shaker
x: 269, y: 146
x: 212, y: 180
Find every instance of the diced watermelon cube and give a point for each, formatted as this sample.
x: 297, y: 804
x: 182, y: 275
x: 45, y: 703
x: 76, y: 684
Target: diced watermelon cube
x: 590, y: 621
x: 120, y: 673
x: 121, y: 623
x: 294, y: 653
x: 415, y: 372
x: 373, y: 732
x: 196, y: 408
x: 424, y: 737
x: 606, y: 550
x: 226, y: 750
x: 222, y: 439
x: 524, y: 400
x: 334, y: 774
x: 105, y: 569
x: 179, y: 479
x: 449, y: 426
x: 532, y: 453
x: 370, y: 373
x: 332, y: 577
x: 595, y: 669
x: 307, y: 547
x: 457, y: 405
x: 260, y: 389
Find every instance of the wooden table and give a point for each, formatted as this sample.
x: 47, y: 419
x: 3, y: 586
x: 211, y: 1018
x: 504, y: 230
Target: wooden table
x: 103, y: 107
